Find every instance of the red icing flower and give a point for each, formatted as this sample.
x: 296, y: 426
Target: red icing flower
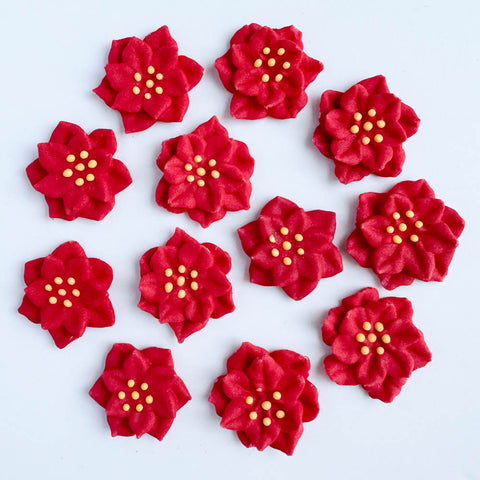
x: 147, y: 81
x: 140, y: 391
x: 362, y: 130
x: 266, y: 397
x: 267, y: 72
x: 290, y: 248
x: 184, y: 284
x: 374, y: 343
x: 206, y: 174
x: 77, y: 172
x: 67, y: 292
x: 405, y: 234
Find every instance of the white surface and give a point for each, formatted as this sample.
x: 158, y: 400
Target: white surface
x: 53, y: 53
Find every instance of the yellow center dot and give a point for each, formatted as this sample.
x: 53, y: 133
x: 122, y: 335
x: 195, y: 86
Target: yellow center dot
x: 67, y: 173
x: 278, y: 77
x: 168, y: 287
x: 188, y: 167
x: 280, y: 414
x: 79, y: 182
x: 286, y: 245
x: 281, y: 51
x: 287, y: 261
x: 298, y: 237
x: 386, y: 338
x: 181, y: 281
x: 75, y: 292
x: 367, y: 126
x: 300, y: 251
x: 137, y: 76
x: 365, y: 140
x: 70, y: 158
x: 62, y: 292
x: 181, y: 294
x: 121, y: 395
x: 380, y: 350
x: 372, y: 112
x: 201, y: 171
x: 402, y: 227
x: 71, y: 281
x: 194, y: 274
x: 149, y: 83
x: 197, y: 158
x: 409, y: 214
x: 190, y: 178
x: 126, y: 407
x: 360, y: 337
x: 380, y: 124
x: 92, y: 164
x: 149, y: 399
x: 58, y: 280
x: 249, y: 400
x: 284, y: 231
x: 148, y: 96
x: 379, y: 327
x: 271, y: 62
x: 90, y: 177
x: 266, y: 405
x: 83, y: 154
x: 286, y: 65
x: 257, y: 63
x: 267, y: 422
x: 372, y: 337
x: 159, y: 90
x: 390, y: 229
x: 396, y: 216
x: 414, y: 238
x: 367, y: 326
x: 151, y: 69
x: 215, y: 173
x: 259, y: 389
x: 48, y: 287
x: 135, y: 395
x: 378, y: 138
x: 67, y: 303
x: 277, y: 395
x: 135, y: 90
x: 274, y: 252
x: 397, y: 239
x: 364, y: 350
x: 357, y: 116
x: 271, y: 238
x: 201, y: 183
x: 419, y: 224
x: 131, y: 383
x: 253, y: 415
x: 266, y: 50
x: 144, y: 386
x: 194, y: 286
x: 182, y: 269
x: 354, y: 129
x: 212, y: 162
x: 52, y: 300
x: 265, y: 77
x: 168, y: 272
x: 80, y: 167
x: 159, y: 76
x: 139, y: 408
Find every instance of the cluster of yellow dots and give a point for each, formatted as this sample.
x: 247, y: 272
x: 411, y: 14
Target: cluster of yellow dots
x: 180, y: 281
x: 200, y: 171
x: 61, y: 292
x: 266, y: 406
x: 271, y: 62
x: 403, y: 227
x: 149, y: 83
x: 80, y: 167
x: 135, y: 395
x: 367, y: 126
x: 372, y: 337
x: 286, y: 245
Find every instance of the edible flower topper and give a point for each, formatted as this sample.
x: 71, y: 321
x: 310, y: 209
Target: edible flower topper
x: 266, y: 397
x: 291, y: 248
x: 205, y: 174
x: 267, y: 72
x: 67, y: 292
x: 374, y: 343
x: 405, y: 234
x: 140, y: 391
x: 363, y: 129
x: 184, y: 284
x: 77, y: 173
x: 147, y: 81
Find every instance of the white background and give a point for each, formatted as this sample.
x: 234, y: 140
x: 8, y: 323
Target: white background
x: 52, y: 56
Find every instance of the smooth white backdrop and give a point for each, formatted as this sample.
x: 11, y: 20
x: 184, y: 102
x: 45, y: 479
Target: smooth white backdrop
x: 53, y: 54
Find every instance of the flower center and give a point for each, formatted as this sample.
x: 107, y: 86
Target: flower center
x: 371, y: 340
x: 372, y: 130
x: 200, y: 171
x: 180, y: 280
x: 405, y: 227
x: 130, y: 393
x: 286, y: 244
x: 78, y: 167
x: 268, y: 62
x: 66, y: 296
x: 149, y: 83
x: 265, y: 406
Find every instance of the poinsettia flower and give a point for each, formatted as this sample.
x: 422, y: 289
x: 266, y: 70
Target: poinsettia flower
x: 147, y: 81
x: 291, y: 248
x: 184, y: 284
x: 67, y: 292
x: 374, y: 343
x: 140, y: 391
x: 405, y: 234
x: 362, y: 130
x: 266, y: 397
x: 205, y: 174
x: 267, y: 72
x: 77, y: 172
